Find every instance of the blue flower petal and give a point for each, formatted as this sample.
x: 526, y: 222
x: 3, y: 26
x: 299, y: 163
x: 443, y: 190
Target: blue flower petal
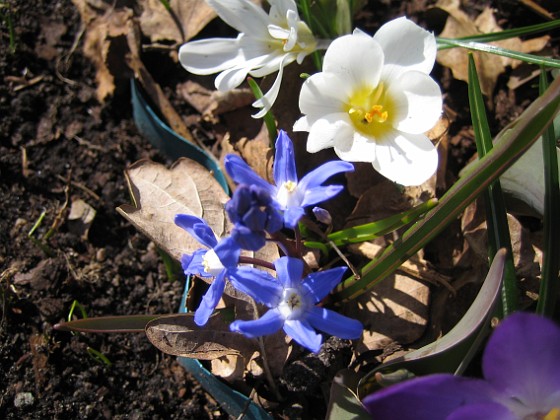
x: 198, y: 228
x: 292, y: 216
x: 247, y: 239
x: 318, y: 285
x: 319, y: 175
x: 284, y: 160
x: 525, y: 368
x: 304, y: 334
x: 427, y: 397
x: 210, y: 300
x: 267, y: 324
x: 258, y: 284
x: 289, y: 271
x: 482, y: 411
x: 241, y: 173
x: 228, y: 252
x: 335, y: 324
x: 192, y: 264
x: 320, y: 194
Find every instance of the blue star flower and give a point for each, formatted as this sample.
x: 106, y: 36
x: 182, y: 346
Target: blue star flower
x: 291, y: 195
x: 253, y: 212
x: 292, y: 302
x: 216, y: 262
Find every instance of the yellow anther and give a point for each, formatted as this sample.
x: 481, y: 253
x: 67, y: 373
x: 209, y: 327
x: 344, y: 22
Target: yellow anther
x: 290, y: 186
x: 376, y: 114
x: 553, y: 414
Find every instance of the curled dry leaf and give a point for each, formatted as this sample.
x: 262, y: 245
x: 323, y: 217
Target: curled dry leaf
x: 159, y: 193
x: 178, y: 335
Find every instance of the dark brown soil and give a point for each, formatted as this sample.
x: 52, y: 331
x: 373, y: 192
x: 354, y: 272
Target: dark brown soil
x: 59, y: 144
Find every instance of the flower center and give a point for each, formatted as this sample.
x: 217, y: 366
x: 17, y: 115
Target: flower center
x: 291, y: 304
x: 370, y: 110
x: 286, y: 195
x: 211, y: 263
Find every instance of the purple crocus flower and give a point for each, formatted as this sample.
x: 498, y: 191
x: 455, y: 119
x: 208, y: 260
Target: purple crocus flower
x: 215, y: 262
x: 521, y: 367
x: 253, y: 212
x: 292, y: 302
x: 292, y: 195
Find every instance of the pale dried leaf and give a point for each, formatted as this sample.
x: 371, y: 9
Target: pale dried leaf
x: 158, y: 24
x: 489, y: 66
x: 159, y: 194
x: 178, y: 335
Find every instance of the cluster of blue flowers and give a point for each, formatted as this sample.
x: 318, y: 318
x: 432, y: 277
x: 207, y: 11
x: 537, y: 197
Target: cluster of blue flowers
x: 258, y: 210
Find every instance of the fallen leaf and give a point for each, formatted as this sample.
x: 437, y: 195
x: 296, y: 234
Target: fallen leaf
x: 489, y: 66
x: 178, y: 335
x: 185, y: 20
x: 159, y: 194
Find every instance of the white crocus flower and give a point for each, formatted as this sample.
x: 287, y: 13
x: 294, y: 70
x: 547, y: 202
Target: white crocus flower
x: 374, y: 100
x: 265, y: 44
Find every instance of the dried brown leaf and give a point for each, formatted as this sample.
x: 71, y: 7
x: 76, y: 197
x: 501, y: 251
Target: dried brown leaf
x: 187, y: 19
x: 159, y: 194
x: 489, y: 66
x: 178, y: 335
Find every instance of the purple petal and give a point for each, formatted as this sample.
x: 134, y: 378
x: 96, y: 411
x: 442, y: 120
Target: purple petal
x: 198, y: 228
x: 427, y: 397
x: 319, y: 284
x: 192, y: 264
x: 292, y: 215
x: 241, y: 173
x: 521, y: 360
x: 319, y: 194
x: 304, y: 334
x: 258, y: 284
x: 289, y: 271
x: 267, y: 324
x: 228, y: 252
x: 319, y: 175
x: 247, y: 239
x: 210, y: 300
x: 284, y: 160
x: 482, y: 411
x: 335, y: 324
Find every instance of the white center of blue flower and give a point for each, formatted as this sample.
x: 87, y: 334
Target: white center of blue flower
x: 287, y: 194
x: 292, y: 304
x: 211, y: 263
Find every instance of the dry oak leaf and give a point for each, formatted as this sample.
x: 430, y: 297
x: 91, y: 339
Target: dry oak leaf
x: 159, y: 193
x: 489, y: 66
x: 185, y: 20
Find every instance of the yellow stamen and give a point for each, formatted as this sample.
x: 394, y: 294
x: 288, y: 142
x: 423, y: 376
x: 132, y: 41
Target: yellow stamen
x: 376, y: 114
x: 370, y: 110
x: 290, y: 186
x: 553, y: 414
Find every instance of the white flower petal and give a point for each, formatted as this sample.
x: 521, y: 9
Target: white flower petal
x: 356, y: 58
x: 279, y: 10
x: 231, y: 78
x: 269, y: 97
x: 322, y: 94
x: 328, y: 131
x: 273, y: 64
x: 407, y: 159
x: 355, y: 148
x: 406, y: 46
x: 242, y: 15
x: 302, y: 124
x: 418, y: 102
x: 210, y: 56
x: 278, y: 32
